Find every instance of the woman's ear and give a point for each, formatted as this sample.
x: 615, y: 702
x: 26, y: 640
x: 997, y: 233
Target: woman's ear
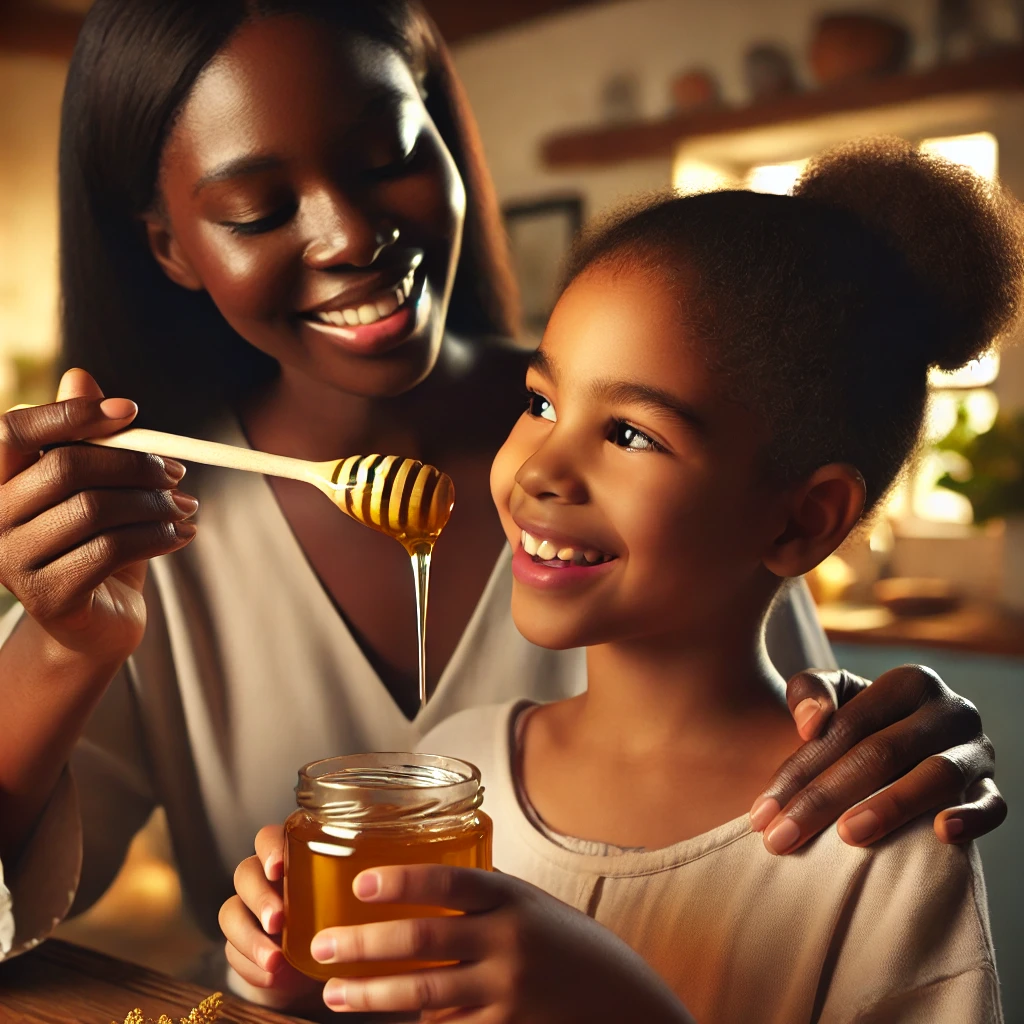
x: 822, y: 511
x: 167, y: 252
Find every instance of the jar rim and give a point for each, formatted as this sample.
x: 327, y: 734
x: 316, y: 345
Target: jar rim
x: 389, y: 785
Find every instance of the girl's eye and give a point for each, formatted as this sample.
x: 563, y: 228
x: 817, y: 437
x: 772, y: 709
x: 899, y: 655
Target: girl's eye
x: 626, y: 436
x: 262, y: 225
x: 539, y: 406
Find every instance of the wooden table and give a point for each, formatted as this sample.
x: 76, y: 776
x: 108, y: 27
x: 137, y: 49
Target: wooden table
x: 59, y: 983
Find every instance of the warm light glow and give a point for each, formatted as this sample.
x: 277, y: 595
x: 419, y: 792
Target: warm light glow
x: 776, y: 179
x: 692, y: 176
x: 979, y: 152
x: 976, y: 374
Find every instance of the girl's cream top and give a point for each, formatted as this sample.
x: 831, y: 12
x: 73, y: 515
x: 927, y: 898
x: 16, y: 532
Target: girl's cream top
x: 831, y: 934
x: 247, y: 672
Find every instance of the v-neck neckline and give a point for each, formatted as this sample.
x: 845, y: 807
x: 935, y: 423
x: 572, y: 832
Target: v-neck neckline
x: 232, y: 433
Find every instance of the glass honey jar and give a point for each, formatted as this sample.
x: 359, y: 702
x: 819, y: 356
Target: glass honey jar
x: 369, y: 810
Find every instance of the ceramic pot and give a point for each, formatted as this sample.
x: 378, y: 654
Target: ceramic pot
x: 694, y: 90
x: 846, y: 47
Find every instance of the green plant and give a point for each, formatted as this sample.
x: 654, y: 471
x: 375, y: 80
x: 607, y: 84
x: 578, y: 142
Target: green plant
x: 994, y: 477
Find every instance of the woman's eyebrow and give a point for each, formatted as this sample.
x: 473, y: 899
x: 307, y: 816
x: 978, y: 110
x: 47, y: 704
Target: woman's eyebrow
x: 239, y: 167
x: 633, y: 393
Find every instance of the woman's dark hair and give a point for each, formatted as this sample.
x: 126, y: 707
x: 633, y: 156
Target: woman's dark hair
x: 133, y: 67
x: 826, y: 308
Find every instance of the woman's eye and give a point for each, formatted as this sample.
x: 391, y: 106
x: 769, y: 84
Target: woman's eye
x: 626, y: 436
x: 539, y: 406
x: 262, y: 224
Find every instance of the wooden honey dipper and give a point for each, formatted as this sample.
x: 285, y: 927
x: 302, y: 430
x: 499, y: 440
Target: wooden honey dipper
x: 402, y: 498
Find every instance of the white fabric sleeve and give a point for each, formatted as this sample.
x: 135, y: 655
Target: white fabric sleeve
x: 102, y: 799
x: 914, y: 946
x: 793, y: 634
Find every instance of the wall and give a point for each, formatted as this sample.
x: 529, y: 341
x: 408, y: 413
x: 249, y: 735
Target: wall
x: 30, y: 95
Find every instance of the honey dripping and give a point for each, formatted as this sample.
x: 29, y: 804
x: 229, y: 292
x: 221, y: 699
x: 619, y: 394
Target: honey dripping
x: 409, y: 501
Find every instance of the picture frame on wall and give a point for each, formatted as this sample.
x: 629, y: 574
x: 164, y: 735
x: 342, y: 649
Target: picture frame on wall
x: 540, y: 234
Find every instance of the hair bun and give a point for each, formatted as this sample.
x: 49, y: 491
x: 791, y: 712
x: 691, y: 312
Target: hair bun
x: 961, y: 236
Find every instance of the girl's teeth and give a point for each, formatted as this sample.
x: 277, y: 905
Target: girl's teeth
x: 529, y: 544
x: 385, y: 307
x: 368, y: 314
x: 546, y: 550
x: 351, y: 317
x: 565, y: 554
x: 593, y: 557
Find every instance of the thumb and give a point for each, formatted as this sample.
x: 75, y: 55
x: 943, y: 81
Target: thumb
x: 78, y: 383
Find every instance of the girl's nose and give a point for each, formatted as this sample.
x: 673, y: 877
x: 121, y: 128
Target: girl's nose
x: 347, y: 235
x: 552, y: 474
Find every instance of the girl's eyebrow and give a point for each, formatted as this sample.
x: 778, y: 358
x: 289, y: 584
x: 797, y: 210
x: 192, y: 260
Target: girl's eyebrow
x: 648, y: 396
x: 543, y: 364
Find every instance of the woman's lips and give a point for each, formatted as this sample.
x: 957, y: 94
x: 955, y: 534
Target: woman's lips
x: 543, y: 576
x: 386, y: 332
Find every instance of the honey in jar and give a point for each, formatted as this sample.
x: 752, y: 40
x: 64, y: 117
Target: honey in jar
x: 369, y: 810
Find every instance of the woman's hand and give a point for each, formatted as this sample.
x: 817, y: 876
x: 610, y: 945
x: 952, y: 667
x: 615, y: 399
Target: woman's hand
x: 907, y: 728
x: 78, y: 522
x: 252, y: 921
x: 524, y: 957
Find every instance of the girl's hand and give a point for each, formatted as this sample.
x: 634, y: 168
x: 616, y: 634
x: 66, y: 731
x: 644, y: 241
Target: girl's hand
x: 252, y: 921
x: 907, y: 728
x: 525, y: 957
x: 78, y: 522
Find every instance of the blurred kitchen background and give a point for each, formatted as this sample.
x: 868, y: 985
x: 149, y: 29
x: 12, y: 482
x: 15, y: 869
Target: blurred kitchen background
x: 581, y: 104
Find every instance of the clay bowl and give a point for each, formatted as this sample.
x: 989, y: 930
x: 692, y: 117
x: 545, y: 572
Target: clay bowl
x: 847, y: 47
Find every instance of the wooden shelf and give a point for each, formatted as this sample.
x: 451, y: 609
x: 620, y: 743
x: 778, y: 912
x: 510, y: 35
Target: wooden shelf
x: 976, y: 628
x: 1002, y: 71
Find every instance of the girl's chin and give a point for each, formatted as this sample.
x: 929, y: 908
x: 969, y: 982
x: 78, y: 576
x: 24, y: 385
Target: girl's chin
x: 549, y: 631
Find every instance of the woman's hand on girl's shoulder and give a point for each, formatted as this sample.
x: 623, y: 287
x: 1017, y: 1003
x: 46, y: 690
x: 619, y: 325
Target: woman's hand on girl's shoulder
x: 906, y: 731
x: 79, y: 522
x: 252, y: 921
x: 521, y: 956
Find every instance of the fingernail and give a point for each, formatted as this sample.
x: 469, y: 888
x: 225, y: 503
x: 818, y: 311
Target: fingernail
x: 272, y: 868
x: 334, y: 994
x: 269, y: 961
x: 784, y: 836
x: 765, y: 809
x: 861, y: 827
x: 185, y: 530
x: 805, y: 712
x: 322, y: 948
x: 185, y: 502
x: 267, y: 919
x: 367, y: 885
x: 118, y: 408
x: 172, y: 467
x: 954, y: 827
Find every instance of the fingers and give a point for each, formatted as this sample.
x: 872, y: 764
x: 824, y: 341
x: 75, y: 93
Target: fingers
x: 250, y: 942
x: 858, y: 754
x: 24, y: 432
x: 71, y: 469
x: 938, y: 781
x: 983, y: 810
x: 78, y: 383
x: 260, y: 896
x: 415, y: 938
x: 270, y: 851
x: 813, y: 696
x: 286, y: 983
x: 419, y: 990
x: 434, y: 885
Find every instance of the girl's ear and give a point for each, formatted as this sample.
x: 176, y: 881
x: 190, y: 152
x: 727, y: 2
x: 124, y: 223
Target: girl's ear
x: 167, y: 252
x: 822, y: 511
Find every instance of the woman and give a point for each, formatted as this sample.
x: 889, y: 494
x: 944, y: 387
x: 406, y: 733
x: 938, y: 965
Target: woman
x: 238, y: 182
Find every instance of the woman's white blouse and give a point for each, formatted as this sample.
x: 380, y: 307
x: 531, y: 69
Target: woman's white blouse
x: 247, y: 672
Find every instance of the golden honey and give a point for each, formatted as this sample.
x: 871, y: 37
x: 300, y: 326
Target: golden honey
x: 365, y: 811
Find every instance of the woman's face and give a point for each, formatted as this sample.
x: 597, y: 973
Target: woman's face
x: 306, y: 189
x: 630, y: 488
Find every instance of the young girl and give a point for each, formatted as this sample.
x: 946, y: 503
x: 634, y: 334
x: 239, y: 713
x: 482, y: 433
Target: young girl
x: 240, y: 182
x: 729, y: 384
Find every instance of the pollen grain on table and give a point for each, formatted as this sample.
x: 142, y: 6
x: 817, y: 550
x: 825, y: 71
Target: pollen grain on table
x: 207, y: 1012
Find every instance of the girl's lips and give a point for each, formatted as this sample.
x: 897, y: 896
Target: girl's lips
x: 547, y: 577
x: 387, y: 333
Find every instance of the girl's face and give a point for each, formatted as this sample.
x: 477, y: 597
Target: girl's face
x: 630, y: 488
x: 306, y: 189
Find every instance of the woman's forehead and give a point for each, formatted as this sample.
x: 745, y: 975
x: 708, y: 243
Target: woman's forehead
x: 287, y: 78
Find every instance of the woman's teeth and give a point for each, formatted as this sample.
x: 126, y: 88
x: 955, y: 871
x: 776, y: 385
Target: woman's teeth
x: 369, y: 312
x: 548, y: 551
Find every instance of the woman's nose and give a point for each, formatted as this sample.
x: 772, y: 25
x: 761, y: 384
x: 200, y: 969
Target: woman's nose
x: 552, y: 474
x: 347, y: 235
